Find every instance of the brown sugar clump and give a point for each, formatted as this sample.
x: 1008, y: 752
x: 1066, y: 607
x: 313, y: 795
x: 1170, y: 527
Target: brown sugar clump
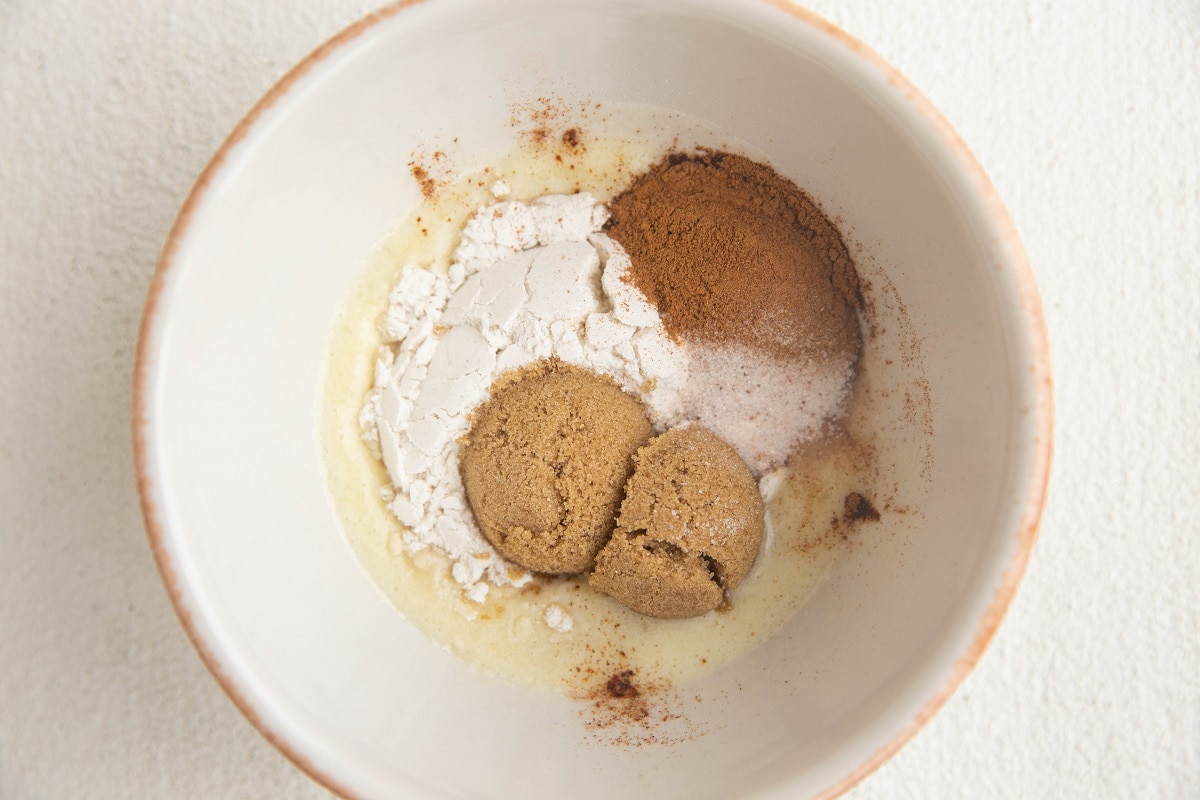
x: 690, y: 527
x: 545, y: 462
x: 858, y: 508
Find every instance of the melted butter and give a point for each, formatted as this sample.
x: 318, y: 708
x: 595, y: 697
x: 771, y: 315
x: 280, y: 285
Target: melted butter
x: 507, y: 634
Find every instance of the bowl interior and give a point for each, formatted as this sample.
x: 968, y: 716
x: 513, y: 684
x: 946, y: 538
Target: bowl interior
x: 265, y: 255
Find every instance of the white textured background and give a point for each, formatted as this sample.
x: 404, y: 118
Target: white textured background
x: 1087, y: 116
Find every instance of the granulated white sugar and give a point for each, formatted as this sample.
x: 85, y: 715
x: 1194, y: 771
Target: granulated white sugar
x: 762, y: 406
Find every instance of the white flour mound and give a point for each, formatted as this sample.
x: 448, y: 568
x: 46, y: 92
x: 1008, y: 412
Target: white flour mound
x: 528, y: 281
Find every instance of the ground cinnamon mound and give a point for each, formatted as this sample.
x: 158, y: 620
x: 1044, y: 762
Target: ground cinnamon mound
x: 730, y: 251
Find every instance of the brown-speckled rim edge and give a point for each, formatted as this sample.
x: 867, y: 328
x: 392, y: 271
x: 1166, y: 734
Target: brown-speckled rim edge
x: 1001, y: 221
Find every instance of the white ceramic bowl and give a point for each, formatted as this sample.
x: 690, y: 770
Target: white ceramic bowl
x: 266, y: 249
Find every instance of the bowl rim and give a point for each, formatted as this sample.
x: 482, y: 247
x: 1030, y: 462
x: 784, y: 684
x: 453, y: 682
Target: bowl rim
x: 1042, y: 410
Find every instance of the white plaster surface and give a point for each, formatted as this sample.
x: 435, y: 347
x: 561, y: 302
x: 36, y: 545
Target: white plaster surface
x: 1087, y: 116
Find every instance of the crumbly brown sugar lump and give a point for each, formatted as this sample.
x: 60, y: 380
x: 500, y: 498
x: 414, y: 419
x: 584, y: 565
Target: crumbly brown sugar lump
x: 545, y: 463
x: 690, y: 527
